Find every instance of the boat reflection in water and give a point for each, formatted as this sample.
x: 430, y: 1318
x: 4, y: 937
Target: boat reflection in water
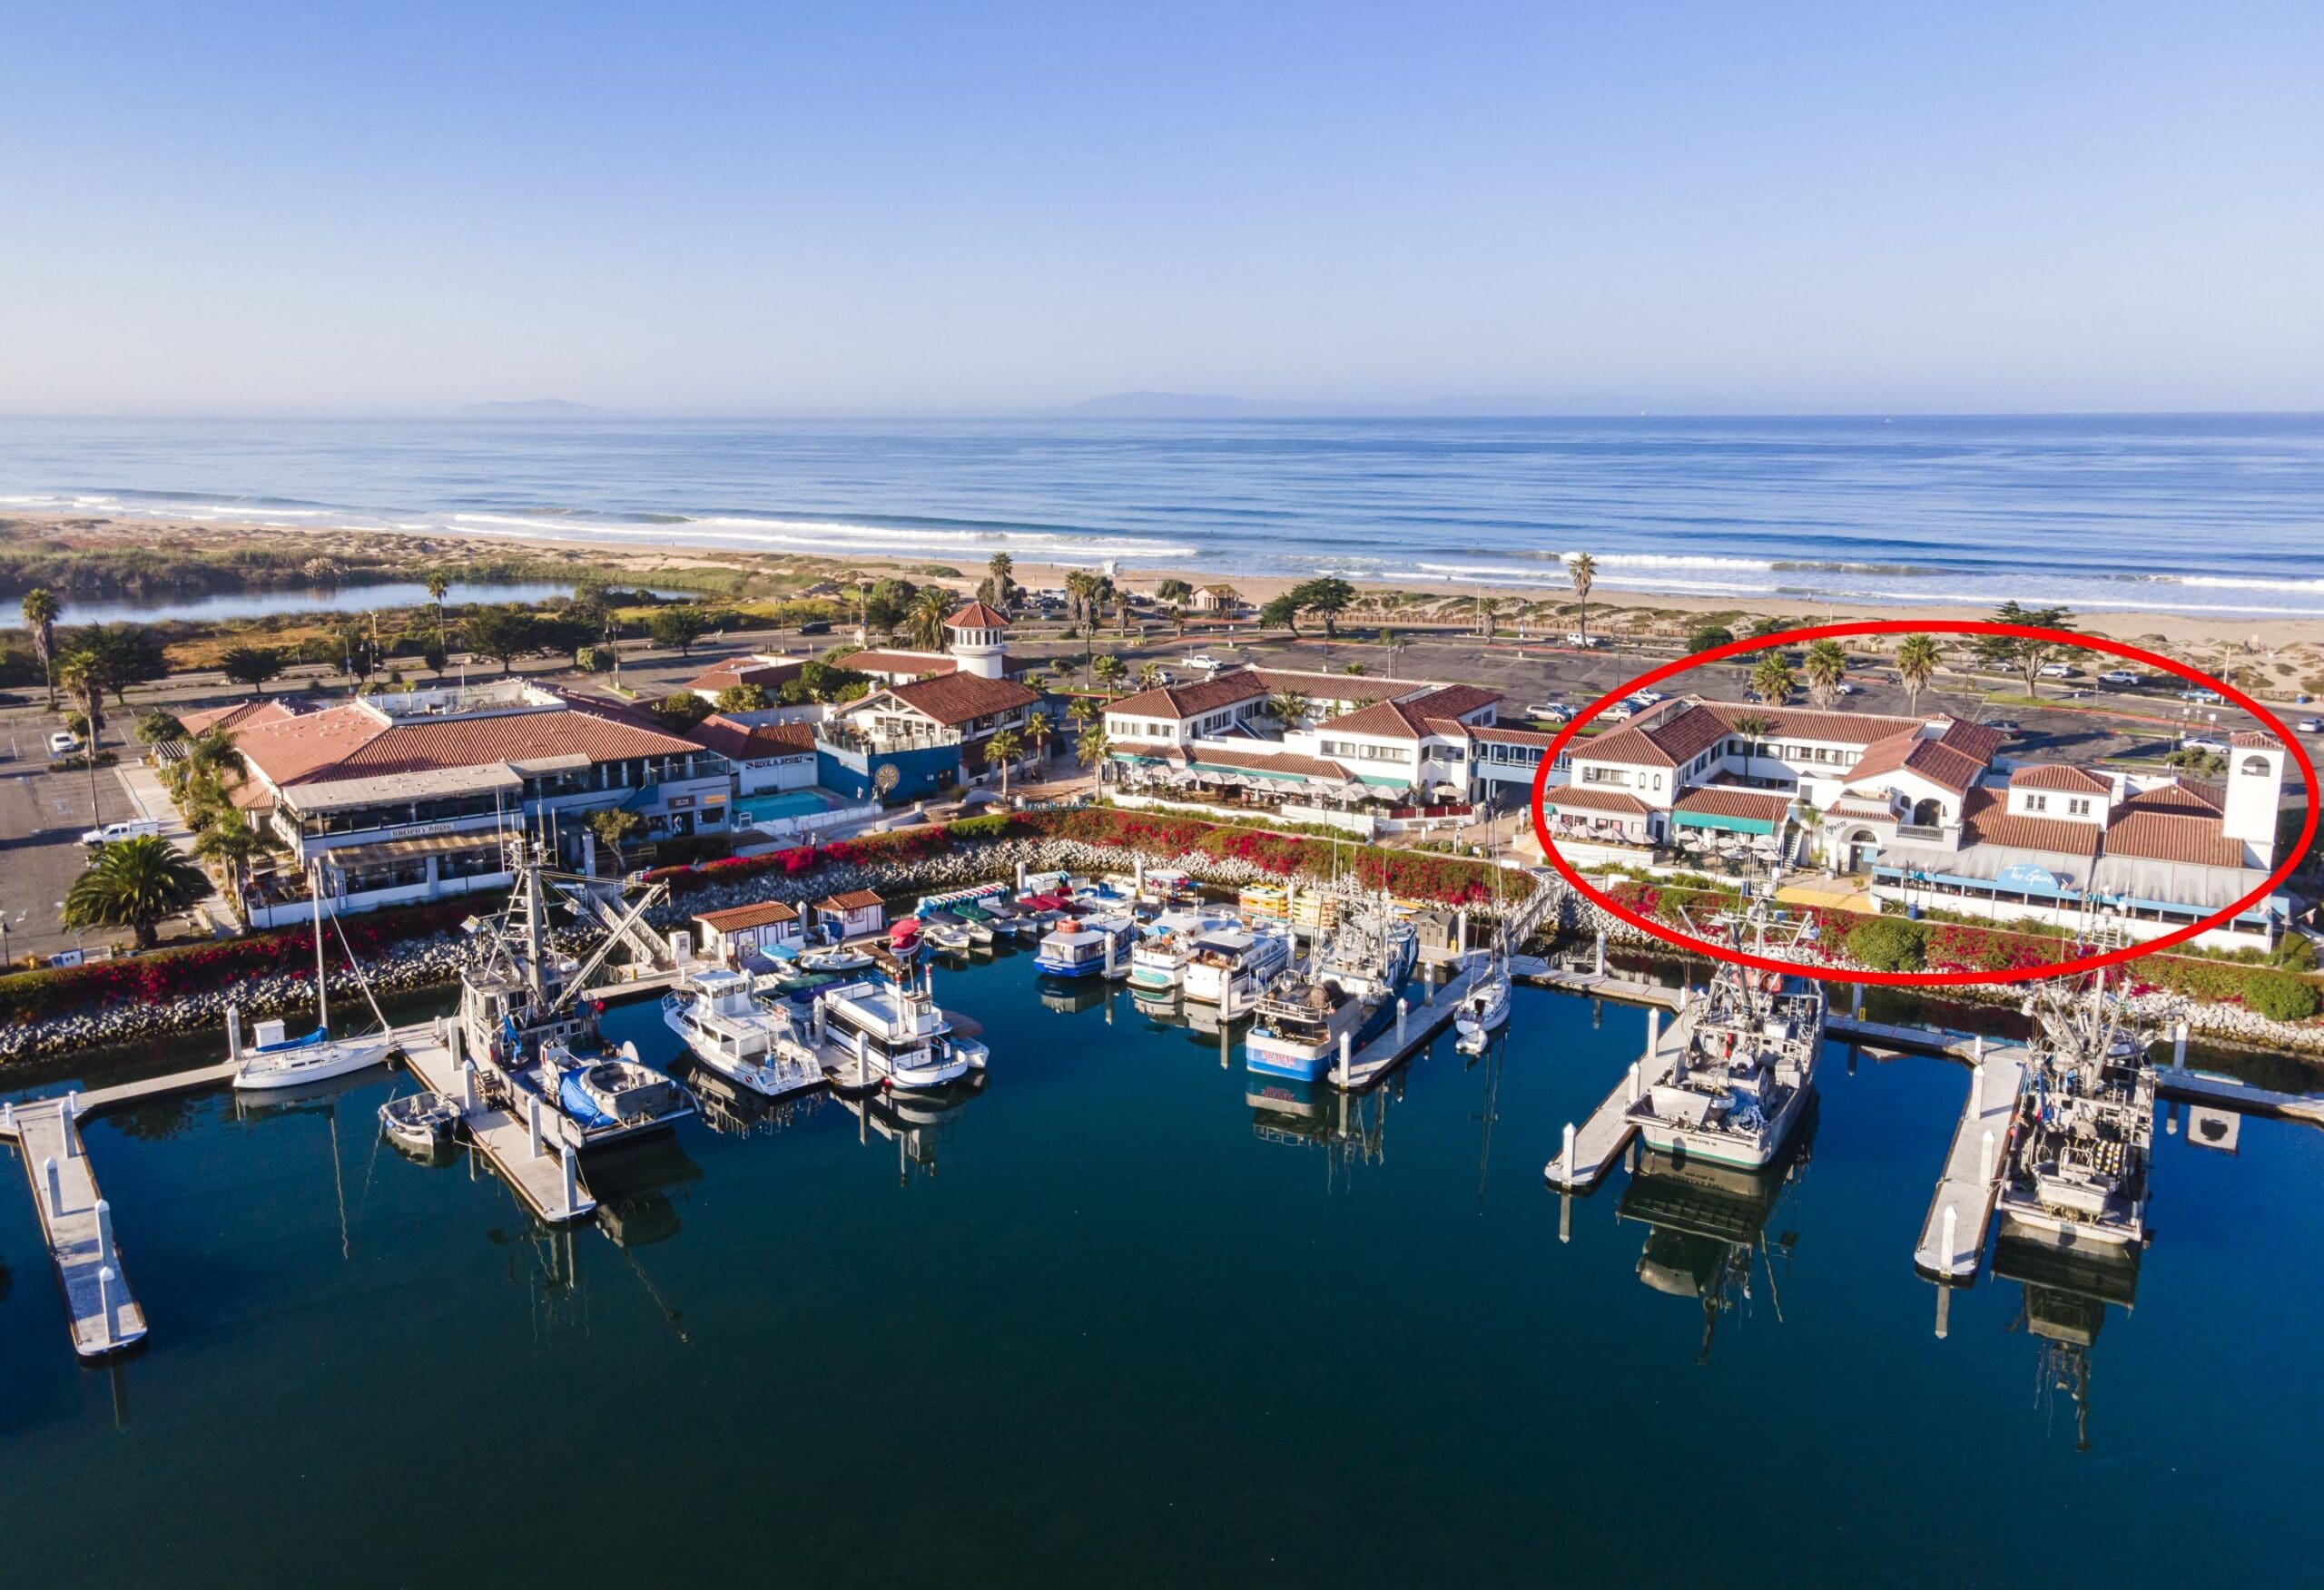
x: 633, y: 1184
x: 1706, y: 1234
x: 1076, y: 995
x: 2067, y: 1294
x: 727, y: 1107
x: 1351, y: 1128
x: 915, y: 1122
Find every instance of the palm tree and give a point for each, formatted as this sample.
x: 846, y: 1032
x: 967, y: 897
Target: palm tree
x: 82, y: 675
x: 438, y: 585
x: 1916, y: 666
x: 1040, y: 730
x: 1092, y: 749
x: 213, y: 755
x: 1108, y: 669
x: 1289, y: 708
x: 134, y: 884
x: 41, y: 609
x: 1149, y: 676
x: 1826, y: 667
x: 1754, y: 729
x: 1083, y: 711
x: 999, y: 587
x: 1486, y: 607
x: 924, y: 620
x: 1773, y: 680
x: 1001, y: 752
x: 1583, y: 572
x: 229, y: 843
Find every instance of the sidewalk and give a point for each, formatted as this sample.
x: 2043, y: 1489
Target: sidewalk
x: 211, y: 915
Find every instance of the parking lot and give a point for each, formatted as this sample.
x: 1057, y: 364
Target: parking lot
x: 42, y: 818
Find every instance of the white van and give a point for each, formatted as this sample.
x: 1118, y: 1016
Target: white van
x: 136, y: 828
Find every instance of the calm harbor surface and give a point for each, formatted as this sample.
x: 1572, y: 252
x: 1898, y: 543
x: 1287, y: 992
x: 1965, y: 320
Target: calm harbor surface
x: 1111, y: 1321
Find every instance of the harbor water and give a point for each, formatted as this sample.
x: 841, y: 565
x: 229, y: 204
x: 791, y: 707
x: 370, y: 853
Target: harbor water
x: 1126, y: 1316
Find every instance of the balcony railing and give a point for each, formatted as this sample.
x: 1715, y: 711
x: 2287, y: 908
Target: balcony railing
x: 1928, y: 833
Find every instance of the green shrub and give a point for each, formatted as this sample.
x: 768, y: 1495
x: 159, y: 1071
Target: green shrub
x: 2280, y: 995
x: 1889, y: 944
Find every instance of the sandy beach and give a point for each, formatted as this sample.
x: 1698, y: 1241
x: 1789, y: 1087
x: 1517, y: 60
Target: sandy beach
x: 1612, y: 608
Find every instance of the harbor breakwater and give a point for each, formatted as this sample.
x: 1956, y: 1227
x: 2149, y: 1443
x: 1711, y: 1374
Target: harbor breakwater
x: 435, y: 960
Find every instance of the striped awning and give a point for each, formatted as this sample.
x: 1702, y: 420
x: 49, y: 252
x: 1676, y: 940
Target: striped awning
x: 1723, y: 821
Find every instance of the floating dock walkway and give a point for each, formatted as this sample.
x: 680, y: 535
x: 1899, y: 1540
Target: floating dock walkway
x: 1590, y: 1151
x: 1952, y: 1248
x: 78, y: 1225
x: 532, y: 1152
x: 1412, y: 1029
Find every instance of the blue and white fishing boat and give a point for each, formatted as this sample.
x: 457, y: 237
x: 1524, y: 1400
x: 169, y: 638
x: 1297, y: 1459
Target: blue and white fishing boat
x: 1157, y: 963
x: 1079, y: 947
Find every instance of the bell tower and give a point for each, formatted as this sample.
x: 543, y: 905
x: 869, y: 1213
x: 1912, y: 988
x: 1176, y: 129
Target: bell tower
x: 977, y: 637
x: 2255, y: 792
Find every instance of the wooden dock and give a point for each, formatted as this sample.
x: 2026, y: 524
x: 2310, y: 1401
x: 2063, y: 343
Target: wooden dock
x: 2225, y: 1092
x: 534, y: 1153
x: 1590, y: 1151
x: 1536, y: 973
x: 1400, y: 1040
x: 78, y: 1226
x: 1953, y: 1239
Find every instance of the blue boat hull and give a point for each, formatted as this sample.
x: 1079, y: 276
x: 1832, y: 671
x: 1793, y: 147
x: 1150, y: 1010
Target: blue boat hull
x: 1073, y: 969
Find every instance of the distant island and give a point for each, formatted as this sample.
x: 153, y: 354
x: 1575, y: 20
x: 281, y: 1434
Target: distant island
x: 533, y: 408
x: 1210, y: 406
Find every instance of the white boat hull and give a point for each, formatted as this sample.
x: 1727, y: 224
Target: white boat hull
x: 322, y: 1063
x: 1729, y: 1148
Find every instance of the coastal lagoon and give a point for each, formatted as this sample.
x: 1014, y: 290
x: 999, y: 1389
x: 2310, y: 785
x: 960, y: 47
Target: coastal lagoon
x: 1124, y: 1317
x: 232, y: 604
x: 2198, y: 515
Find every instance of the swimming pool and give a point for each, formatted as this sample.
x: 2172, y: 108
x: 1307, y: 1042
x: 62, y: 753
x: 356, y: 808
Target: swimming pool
x: 785, y: 803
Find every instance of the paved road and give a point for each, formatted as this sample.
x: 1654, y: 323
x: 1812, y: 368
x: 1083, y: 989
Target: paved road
x: 42, y: 818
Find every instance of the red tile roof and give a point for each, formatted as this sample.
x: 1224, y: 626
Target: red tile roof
x: 1339, y: 687
x: 1572, y: 797
x: 1672, y: 738
x: 752, y: 742
x: 2189, y: 797
x: 1180, y: 701
x: 977, y: 615
x: 1417, y: 717
x: 1274, y: 761
x: 239, y: 715
x: 2159, y: 835
x: 1834, y: 728
x: 2061, y: 776
x: 747, y: 671
x: 1939, y: 763
x: 1495, y: 734
x: 2255, y: 740
x: 737, y: 917
x: 354, y: 741
x: 961, y: 698
x: 1986, y: 819
x: 1973, y: 740
x: 1757, y: 806
x: 913, y: 663
x: 853, y: 899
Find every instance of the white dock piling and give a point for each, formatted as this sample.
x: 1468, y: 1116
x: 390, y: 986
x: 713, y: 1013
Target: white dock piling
x: 1653, y: 1029
x: 1565, y: 1145
x: 104, y: 1232
x: 9, y: 1117
x: 1346, y: 1051
x: 234, y: 1032
x: 1599, y: 969
x: 1952, y: 1224
x: 2179, y: 1046
x: 571, y: 1178
x: 467, y: 1087
x: 1461, y: 932
x: 533, y: 1122
x: 1634, y: 1082
x: 106, y: 1280
x: 1403, y: 1009
x: 50, y: 1180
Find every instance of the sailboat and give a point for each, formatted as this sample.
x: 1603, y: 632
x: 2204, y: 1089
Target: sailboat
x: 277, y: 1061
x: 1483, y: 1009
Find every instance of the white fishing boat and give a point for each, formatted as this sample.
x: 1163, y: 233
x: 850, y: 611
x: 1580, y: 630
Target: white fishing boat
x: 1235, y: 964
x: 1371, y: 952
x: 751, y: 1041
x: 2076, y: 1172
x: 892, y: 1034
x: 1744, y: 1069
x: 1157, y: 962
x: 275, y: 1061
x: 837, y: 958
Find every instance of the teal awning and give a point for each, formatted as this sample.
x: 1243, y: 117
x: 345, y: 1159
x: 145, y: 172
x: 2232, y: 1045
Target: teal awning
x: 1733, y: 825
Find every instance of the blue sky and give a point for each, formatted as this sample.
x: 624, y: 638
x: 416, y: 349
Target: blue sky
x: 905, y: 209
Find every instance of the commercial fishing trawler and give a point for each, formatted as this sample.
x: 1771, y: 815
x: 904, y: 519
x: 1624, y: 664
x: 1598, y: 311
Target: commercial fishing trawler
x: 524, y: 1023
x: 1340, y: 995
x: 2077, y: 1165
x: 1745, y: 1063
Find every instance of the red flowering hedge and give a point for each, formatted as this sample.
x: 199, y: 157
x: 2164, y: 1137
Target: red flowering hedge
x: 172, y: 973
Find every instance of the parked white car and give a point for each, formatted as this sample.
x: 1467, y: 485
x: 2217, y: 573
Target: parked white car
x: 1618, y: 712
x: 2117, y: 676
x: 1648, y: 698
x: 113, y: 832
x: 2195, y: 742
x: 2058, y: 670
x: 1557, y: 711
x: 63, y: 744
x: 2310, y: 725
x: 1202, y: 659
x: 1578, y: 638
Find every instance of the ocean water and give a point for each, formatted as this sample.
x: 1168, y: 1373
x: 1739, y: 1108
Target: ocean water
x: 2209, y: 514
x: 1123, y: 1318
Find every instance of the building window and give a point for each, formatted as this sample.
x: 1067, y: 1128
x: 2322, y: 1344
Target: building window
x: 2037, y: 803
x: 2078, y: 807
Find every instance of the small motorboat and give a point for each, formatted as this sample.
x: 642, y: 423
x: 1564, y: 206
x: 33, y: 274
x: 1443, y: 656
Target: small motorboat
x: 840, y: 958
x: 619, y: 1093
x: 420, y: 1122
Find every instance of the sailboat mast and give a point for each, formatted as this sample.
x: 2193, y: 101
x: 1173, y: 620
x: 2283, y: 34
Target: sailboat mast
x: 322, y: 991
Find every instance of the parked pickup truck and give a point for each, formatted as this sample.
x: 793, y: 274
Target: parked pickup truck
x: 113, y: 832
